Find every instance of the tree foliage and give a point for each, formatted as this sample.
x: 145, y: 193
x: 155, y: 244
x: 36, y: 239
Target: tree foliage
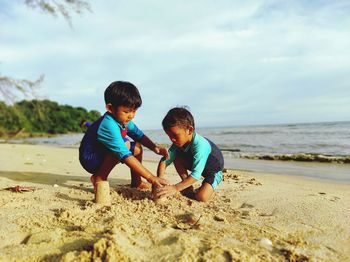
x: 43, y: 116
x: 10, y: 87
x: 62, y: 7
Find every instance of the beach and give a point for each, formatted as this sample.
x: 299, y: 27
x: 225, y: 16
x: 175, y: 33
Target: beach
x: 253, y: 217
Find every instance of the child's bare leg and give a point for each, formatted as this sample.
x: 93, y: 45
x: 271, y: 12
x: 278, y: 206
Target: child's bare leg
x: 102, y: 174
x: 136, y: 180
x: 180, y: 166
x: 205, y: 192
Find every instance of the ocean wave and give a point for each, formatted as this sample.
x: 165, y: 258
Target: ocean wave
x: 230, y: 149
x: 237, y: 147
x: 246, y: 132
x: 302, y: 157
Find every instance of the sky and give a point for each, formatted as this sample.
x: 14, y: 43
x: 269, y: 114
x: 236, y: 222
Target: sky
x: 231, y: 62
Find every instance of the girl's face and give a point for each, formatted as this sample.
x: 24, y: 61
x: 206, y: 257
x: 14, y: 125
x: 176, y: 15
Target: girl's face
x: 180, y: 135
x: 122, y: 114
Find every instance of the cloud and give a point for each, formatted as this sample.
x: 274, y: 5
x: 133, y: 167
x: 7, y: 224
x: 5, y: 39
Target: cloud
x: 232, y: 62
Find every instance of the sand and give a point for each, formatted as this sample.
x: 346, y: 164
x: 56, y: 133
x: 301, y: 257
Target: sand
x: 253, y: 217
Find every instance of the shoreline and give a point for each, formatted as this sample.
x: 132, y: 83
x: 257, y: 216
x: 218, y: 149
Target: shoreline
x: 259, y: 216
x: 73, y: 140
x: 338, y: 173
x: 326, y: 170
x: 301, y: 157
x: 333, y: 172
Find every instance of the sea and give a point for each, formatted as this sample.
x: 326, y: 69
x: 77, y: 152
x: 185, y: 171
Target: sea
x: 328, y: 138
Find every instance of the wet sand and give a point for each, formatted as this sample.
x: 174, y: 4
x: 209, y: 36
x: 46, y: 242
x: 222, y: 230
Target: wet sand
x: 339, y: 173
x: 253, y: 217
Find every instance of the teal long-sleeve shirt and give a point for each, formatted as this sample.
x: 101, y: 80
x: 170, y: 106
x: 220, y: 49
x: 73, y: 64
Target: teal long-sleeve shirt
x: 198, y: 150
x: 109, y: 134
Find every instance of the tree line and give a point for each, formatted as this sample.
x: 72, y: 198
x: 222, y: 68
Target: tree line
x: 43, y: 116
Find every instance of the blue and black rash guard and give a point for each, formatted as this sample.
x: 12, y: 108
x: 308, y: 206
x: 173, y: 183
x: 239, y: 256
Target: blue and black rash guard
x: 104, y: 136
x: 204, y: 156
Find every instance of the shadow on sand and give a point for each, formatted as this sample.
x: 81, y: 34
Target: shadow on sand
x: 51, y: 179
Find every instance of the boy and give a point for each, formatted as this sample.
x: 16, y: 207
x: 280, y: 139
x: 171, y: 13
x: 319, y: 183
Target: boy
x: 105, y: 143
x: 190, y: 151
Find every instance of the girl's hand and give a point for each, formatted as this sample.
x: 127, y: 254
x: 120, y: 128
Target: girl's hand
x: 158, y: 181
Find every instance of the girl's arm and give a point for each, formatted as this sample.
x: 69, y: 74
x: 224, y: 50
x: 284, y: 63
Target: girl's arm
x: 161, y: 169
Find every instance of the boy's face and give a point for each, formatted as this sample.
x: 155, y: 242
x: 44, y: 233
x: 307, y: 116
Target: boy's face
x: 180, y: 135
x: 122, y: 114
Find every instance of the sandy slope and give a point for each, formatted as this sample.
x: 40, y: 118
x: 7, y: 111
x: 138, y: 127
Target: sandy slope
x: 304, y: 219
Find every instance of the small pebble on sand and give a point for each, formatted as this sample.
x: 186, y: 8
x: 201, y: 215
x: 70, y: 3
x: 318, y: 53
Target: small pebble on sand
x: 266, y: 243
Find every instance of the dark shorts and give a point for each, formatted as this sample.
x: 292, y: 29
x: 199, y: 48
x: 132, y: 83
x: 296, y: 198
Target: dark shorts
x: 213, y: 179
x: 91, y: 156
x: 213, y: 170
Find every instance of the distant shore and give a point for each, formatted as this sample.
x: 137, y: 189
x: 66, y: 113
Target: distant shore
x: 44, y: 138
x: 21, y: 134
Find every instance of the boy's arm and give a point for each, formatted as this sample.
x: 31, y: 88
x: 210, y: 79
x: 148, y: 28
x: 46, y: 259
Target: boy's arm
x: 136, y: 166
x: 145, y: 141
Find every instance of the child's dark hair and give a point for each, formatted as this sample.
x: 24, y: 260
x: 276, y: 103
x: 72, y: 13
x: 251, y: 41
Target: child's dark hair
x: 178, y: 116
x: 120, y: 93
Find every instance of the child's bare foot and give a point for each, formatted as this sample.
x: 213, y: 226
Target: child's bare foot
x: 142, y: 185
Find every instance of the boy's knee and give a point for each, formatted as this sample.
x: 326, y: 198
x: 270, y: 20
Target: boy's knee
x: 138, y: 149
x: 202, y: 196
x: 205, y: 193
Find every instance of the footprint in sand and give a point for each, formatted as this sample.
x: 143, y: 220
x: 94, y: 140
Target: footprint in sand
x: 334, y: 198
x: 273, y: 213
x: 44, y: 236
x: 253, y: 181
x: 164, y: 234
x: 187, y: 221
x: 169, y: 240
x: 246, y: 205
x: 219, y: 218
x: 245, y: 214
x: 330, y: 198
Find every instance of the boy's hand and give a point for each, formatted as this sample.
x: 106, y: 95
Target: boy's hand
x: 162, y: 151
x: 158, y: 182
x: 166, y: 191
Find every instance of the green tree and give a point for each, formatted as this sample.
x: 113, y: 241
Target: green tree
x: 9, y: 118
x: 43, y: 116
